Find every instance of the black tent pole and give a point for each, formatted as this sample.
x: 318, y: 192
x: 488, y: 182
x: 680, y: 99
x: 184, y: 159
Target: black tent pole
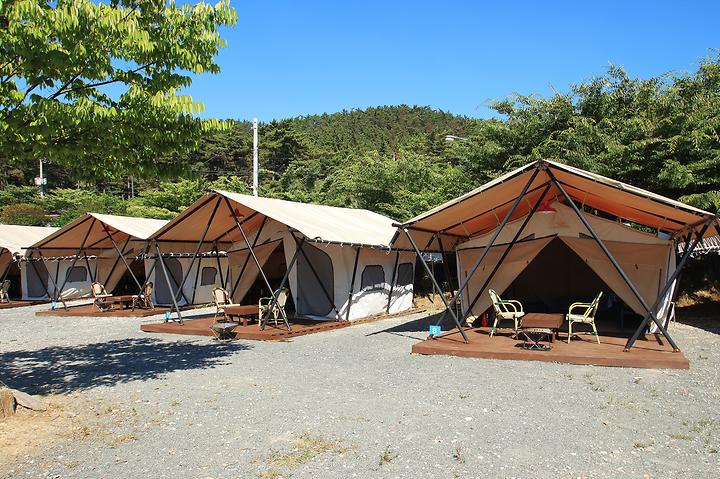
x: 392, y: 281
x: 446, y: 266
x: 432, y: 278
x: 167, y: 280
x: 37, y: 274
x: 495, y: 235
x: 257, y: 262
x: 74, y: 262
x: 197, y: 249
x: 117, y: 260
x: 121, y: 255
x: 352, y: 284
x: 610, y: 256
x: 247, y: 258
x: 505, y: 253
x: 285, y: 279
x: 668, y: 284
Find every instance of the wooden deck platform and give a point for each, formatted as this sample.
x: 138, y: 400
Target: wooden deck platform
x: 201, y: 327
x: 90, y: 310
x: 648, y: 352
x: 17, y: 303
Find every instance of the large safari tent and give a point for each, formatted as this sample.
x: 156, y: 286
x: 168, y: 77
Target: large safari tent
x: 336, y: 262
x: 102, y: 248
x: 14, y: 239
x: 548, y: 234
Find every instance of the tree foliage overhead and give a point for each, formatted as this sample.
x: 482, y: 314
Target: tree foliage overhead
x: 661, y: 134
x: 98, y: 84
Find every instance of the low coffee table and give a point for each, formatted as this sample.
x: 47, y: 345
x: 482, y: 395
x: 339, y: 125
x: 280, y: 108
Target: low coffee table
x: 240, y: 312
x: 536, y: 327
x: 550, y: 321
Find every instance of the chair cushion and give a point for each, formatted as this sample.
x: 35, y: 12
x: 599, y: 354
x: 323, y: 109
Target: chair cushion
x: 223, y: 326
x: 578, y: 318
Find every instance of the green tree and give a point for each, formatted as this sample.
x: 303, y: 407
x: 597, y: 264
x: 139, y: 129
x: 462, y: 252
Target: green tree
x: 97, y: 84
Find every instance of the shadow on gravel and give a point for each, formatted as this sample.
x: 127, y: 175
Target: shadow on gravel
x: 705, y: 316
x: 417, y: 326
x: 71, y: 368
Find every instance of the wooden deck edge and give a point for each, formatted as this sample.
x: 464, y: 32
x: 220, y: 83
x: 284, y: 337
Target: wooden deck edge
x: 626, y: 362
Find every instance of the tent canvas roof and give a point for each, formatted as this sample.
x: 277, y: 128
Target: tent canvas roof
x: 482, y: 209
x: 16, y: 238
x: 316, y: 222
x: 121, y: 228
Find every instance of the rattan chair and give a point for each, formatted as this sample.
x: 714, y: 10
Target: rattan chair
x: 264, y: 305
x: 5, y: 291
x: 585, y: 316
x: 144, y: 299
x: 510, y: 309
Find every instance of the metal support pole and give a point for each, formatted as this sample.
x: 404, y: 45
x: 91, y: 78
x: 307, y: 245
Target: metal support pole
x: 286, y: 276
x: 197, y: 249
x: 197, y: 278
x: 219, y: 266
x: 74, y: 262
x: 392, y: 281
x: 495, y: 236
x: 255, y: 157
x: 317, y: 277
x: 432, y: 278
x: 117, y: 260
x: 505, y: 253
x: 668, y: 284
x: 247, y: 258
x: 352, y: 284
x: 257, y: 262
x: 167, y: 280
x: 446, y: 266
x: 611, y: 258
x: 121, y: 255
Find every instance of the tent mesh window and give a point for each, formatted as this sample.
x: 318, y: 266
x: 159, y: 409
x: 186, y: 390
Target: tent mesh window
x: 405, y: 275
x: 311, y: 298
x: 208, y: 275
x: 373, y: 277
x: 76, y: 274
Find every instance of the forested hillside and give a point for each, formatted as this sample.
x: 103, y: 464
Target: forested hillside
x: 658, y: 133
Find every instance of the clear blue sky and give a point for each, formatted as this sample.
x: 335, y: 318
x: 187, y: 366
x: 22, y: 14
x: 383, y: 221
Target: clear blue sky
x: 288, y: 58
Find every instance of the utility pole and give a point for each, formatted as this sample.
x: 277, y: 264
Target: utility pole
x: 255, y: 157
x: 41, y: 181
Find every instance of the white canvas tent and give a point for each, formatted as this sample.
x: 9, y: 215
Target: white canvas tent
x: 336, y: 261
x: 498, y: 228
x: 14, y: 239
x: 94, y: 247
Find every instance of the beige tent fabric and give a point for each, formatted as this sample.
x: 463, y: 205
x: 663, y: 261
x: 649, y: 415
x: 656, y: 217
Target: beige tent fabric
x: 237, y: 260
x: 71, y: 236
x: 316, y: 222
x: 565, y: 222
x: 645, y: 265
x: 482, y: 209
x: 16, y: 238
x: 516, y: 261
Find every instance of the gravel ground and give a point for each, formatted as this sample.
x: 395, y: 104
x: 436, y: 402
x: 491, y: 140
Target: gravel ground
x: 351, y: 403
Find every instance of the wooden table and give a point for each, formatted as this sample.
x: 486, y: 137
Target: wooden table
x: 552, y: 321
x: 241, y: 312
x: 124, y: 300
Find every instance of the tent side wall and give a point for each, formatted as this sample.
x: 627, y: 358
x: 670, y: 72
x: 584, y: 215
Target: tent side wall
x: 203, y: 278
x: 372, y: 280
x: 79, y: 279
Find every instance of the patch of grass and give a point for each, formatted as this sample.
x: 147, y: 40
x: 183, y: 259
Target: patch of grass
x: 121, y: 439
x: 174, y: 402
x: 305, y: 449
x: 642, y: 445
x: 269, y: 474
x: 681, y: 436
x: 653, y: 393
x: 387, y: 456
x: 71, y: 464
x: 464, y: 395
